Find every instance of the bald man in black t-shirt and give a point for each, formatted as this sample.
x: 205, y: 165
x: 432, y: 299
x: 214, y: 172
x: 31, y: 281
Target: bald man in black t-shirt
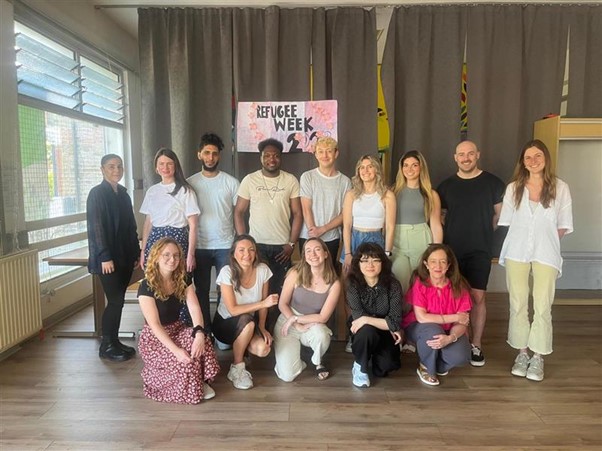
x: 471, y: 201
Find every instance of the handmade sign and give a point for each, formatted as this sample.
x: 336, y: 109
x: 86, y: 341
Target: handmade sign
x: 296, y: 124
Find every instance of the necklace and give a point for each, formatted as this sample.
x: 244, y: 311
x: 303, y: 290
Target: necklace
x: 271, y: 195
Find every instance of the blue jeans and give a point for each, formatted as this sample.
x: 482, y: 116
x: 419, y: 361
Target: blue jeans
x: 205, y: 260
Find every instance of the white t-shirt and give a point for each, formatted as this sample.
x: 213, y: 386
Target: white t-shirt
x: 246, y: 295
x: 167, y: 210
x: 216, y: 197
x: 270, y: 205
x: 533, y: 235
x: 327, y: 195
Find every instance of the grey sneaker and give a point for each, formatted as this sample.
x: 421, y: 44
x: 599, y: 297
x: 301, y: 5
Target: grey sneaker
x: 535, y: 371
x: 520, y: 365
x: 348, y: 347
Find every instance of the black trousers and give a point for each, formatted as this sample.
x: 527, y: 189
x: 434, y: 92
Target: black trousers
x: 114, y: 285
x: 372, y: 343
x: 268, y: 253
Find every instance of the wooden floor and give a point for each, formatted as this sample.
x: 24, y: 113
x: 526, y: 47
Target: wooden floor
x: 56, y: 394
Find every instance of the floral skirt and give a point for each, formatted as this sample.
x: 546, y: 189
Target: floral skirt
x: 165, y: 378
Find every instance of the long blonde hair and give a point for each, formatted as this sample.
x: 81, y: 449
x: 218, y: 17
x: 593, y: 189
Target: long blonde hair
x: 424, y: 181
x: 153, y: 275
x: 521, y: 175
x: 358, y: 184
x: 304, y: 275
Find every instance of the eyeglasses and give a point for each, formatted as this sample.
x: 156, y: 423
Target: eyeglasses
x: 370, y: 260
x: 168, y: 256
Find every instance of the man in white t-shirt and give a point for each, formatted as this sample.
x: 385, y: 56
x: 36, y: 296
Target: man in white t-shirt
x: 322, y: 193
x: 272, y: 198
x: 216, y: 196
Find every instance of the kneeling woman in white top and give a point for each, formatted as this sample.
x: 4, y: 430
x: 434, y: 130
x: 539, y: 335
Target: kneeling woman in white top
x: 241, y: 315
x: 309, y: 296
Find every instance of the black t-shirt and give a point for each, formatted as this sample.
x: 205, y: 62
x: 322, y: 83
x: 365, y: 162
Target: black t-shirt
x: 169, y: 310
x: 469, y: 220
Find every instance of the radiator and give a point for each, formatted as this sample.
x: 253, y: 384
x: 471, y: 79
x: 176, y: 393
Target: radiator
x: 20, y: 310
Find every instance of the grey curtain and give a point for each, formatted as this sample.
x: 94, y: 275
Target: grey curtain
x: 186, y: 79
x: 515, y: 59
x: 271, y: 61
x: 585, y: 61
x: 344, y: 68
x: 422, y: 76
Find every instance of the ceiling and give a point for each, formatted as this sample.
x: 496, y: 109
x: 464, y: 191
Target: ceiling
x: 124, y: 12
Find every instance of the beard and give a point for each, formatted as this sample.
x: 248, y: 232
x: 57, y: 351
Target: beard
x: 210, y: 168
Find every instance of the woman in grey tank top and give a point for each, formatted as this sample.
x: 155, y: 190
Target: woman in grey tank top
x: 309, y: 296
x: 418, y: 215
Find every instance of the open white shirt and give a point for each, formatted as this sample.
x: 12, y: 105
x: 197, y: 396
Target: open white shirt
x: 533, y: 235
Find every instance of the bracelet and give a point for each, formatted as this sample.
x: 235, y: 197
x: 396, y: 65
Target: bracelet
x: 455, y: 338
x: 198, y: 328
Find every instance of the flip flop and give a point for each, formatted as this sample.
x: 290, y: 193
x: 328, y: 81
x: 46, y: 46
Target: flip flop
x: 322, y: 372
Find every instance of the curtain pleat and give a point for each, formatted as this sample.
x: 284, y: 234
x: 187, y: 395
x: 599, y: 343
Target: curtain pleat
x: 272, y: 57
x: 515, y: 58
x: 422, y: 76
x: 186, y: 83
x: 585, y: 61
x: 344, y: 69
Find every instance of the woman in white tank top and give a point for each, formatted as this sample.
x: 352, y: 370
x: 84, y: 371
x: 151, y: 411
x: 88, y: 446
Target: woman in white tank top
x: 368, y: 210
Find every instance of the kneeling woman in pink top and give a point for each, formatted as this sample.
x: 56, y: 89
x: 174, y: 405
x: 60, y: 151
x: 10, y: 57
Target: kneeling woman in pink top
x: 440, y: 300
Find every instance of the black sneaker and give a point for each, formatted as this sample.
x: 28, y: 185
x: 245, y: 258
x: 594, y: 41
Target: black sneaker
x: 476, y: 356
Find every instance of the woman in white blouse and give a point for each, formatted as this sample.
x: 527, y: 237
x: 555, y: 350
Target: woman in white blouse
x: 538, y: 210
x: 171, y: 209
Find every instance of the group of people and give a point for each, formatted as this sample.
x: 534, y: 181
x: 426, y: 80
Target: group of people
x: 391, y: 241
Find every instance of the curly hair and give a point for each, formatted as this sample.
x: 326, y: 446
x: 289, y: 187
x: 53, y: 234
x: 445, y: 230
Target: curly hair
x: 211, y: 139
x: 235, y: 268
x: 358, y: 184
x: 521, y: 175
x: 426, y: 189
x: 458, y: 282
x: 304, y: 275
x: 370, y: 250
x: 154, y: 278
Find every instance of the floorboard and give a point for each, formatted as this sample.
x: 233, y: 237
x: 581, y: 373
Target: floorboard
x: 56, y: 394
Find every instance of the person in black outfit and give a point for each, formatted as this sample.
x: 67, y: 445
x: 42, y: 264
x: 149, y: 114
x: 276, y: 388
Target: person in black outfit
x: 374, y: 297
x: 113, y: 251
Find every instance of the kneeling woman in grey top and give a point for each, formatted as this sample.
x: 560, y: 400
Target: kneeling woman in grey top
x: 309, y: 296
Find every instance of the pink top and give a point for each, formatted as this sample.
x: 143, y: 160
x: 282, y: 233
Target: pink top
x: 439, y: 301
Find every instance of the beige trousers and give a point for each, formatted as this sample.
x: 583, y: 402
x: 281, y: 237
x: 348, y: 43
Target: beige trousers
x: 535, y: 335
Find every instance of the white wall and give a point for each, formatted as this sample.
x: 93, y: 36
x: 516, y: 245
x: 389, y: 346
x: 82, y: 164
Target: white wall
x: 93, y: 28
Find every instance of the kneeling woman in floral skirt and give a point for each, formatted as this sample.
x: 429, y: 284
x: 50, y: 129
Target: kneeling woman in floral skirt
x: 179, y: 361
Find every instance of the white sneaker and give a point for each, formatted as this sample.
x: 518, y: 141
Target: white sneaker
x: 535, y: 371
x: 521, y: 363
x: 240, y: 377
x: 360, y: 379
x: 208, y: 392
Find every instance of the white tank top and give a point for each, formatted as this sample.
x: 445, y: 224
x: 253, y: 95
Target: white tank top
x: 368, y: 212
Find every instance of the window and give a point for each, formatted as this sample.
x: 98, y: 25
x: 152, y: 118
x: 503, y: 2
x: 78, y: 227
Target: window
x: 71, y: 113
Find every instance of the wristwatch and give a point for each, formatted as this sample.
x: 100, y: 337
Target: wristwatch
x: 388, y: 253
x: 292, y: 244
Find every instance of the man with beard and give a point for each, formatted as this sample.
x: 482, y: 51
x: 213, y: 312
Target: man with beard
x: 471, y: 201
x: 272, y: 197
x: 216, y: 196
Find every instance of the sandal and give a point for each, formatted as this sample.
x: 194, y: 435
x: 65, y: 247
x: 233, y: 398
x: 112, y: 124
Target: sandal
x: 425, y: 377
x: 322, y: 373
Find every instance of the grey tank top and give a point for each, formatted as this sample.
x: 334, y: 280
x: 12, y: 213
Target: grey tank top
x: 410, y: 207
x: 308, y: 302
